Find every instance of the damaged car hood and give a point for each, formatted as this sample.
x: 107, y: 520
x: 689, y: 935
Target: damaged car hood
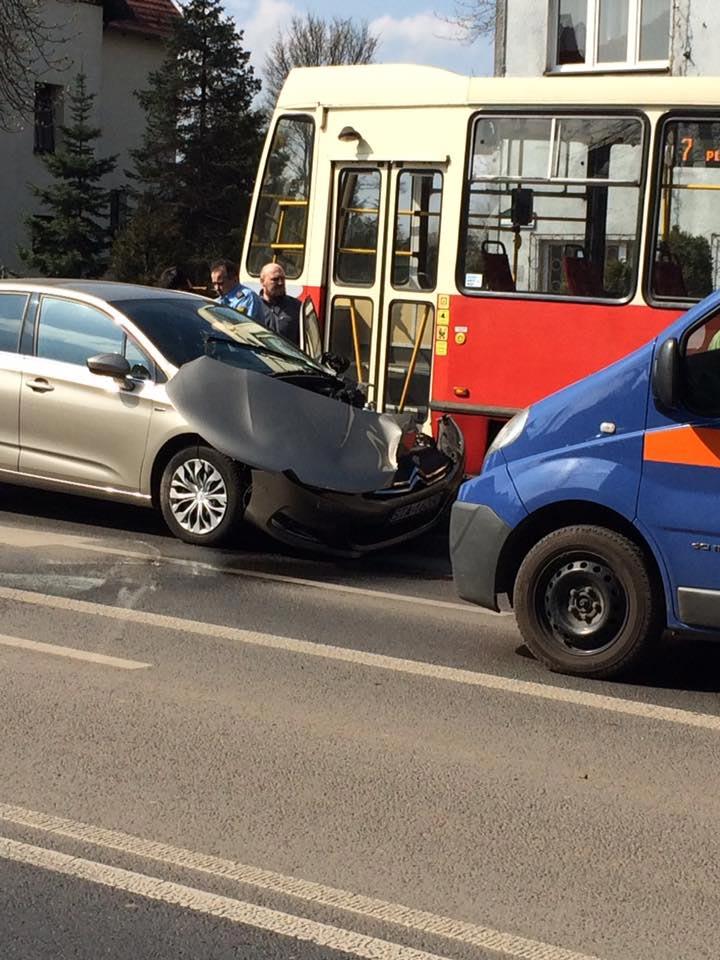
x: 276, y: 426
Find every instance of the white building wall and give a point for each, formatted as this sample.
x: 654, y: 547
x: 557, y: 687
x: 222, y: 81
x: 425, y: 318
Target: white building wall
x: 116, y: 65
x: 526, y: 37
x: 127, y: 61
x: 695, y: 27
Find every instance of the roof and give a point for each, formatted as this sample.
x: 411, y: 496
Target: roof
x: 149, y: 17
x: 109, y: 290
x: 409, y: 85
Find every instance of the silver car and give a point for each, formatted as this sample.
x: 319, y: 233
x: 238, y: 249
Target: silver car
x: 165, y: 398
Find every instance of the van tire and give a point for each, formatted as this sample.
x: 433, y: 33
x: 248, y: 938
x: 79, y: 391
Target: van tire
x: 223, y: 484
x: 586, y: 602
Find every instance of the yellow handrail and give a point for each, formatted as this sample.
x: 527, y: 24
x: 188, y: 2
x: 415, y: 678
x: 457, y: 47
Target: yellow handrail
x: 413, y: 359
x: 356, y: 339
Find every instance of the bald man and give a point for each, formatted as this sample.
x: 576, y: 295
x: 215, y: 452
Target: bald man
x: 281, y: 312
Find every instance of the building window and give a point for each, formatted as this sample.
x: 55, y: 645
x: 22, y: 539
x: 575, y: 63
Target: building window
x: 602, y: 34
x: 47, y: 116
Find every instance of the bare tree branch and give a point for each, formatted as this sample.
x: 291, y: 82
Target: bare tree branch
x: 476, y: 18
x: 26, y: 44
x: 311, y: 41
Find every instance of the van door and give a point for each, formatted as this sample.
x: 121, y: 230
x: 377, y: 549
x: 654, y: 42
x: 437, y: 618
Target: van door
x: 382, y: 276
x: 680, y: 487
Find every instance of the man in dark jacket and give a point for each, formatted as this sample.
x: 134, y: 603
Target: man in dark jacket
x: 281, y: 312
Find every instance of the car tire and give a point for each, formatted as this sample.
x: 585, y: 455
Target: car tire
x: 203, y: 495
x: 586, y: 602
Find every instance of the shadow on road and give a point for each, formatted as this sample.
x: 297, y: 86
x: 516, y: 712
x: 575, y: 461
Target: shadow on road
x: 140, y: 521
x: 690, y: 664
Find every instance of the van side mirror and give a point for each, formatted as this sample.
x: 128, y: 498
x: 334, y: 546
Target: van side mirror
x: 666, y: 374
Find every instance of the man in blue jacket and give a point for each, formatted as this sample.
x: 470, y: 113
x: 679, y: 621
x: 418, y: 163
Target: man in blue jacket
x: 232, y: 293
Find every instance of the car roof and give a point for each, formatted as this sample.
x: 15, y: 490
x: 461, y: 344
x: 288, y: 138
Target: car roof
x: 110, y: 290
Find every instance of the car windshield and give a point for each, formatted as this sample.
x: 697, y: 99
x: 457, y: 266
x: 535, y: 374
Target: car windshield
x: 185, y: 328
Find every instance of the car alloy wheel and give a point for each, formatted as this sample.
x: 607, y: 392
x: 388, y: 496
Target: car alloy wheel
x: 203, y: 495
x: 198, y: 496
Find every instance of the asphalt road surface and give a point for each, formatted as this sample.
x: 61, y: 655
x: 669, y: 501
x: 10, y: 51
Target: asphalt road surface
x: 259, y: 754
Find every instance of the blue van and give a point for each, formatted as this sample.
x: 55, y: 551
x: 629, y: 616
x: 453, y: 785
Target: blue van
x: 597, y: 511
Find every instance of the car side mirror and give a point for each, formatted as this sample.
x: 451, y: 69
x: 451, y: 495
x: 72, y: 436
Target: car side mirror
x: 112, y: 365
x: 666, y: 374
x: 335, y: 362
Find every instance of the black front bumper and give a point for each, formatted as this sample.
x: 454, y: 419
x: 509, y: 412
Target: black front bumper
x: 477, y: 536
x: 352, y: 524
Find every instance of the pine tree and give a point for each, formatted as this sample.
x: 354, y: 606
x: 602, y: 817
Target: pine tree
x: 196, y: 166
x: 69, y: 239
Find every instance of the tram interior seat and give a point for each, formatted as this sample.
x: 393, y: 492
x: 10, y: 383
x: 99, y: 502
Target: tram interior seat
x: 667, y: 277
x: 496, y: 267
x: 583, y: 278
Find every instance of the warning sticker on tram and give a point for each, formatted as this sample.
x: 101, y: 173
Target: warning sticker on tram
x: 441, y: 348
x: 441, y: 333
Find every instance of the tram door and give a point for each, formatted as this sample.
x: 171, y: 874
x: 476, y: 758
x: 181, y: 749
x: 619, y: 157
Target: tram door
x: 382, y: 279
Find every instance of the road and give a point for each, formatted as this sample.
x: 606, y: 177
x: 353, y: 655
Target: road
x: 259, y: 754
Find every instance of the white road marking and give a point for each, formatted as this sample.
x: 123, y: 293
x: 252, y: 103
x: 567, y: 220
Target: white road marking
x: 209, y: 904
x: 72, y: 653
x: 313, y: 893
x: 22, y: 537
x: 418, y: 668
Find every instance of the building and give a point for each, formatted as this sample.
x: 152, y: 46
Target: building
x: 535, y: 37
x: 116, y: 43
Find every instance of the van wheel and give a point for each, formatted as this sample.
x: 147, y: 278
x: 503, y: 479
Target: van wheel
x: 586, y: 603
x: 203, y: 495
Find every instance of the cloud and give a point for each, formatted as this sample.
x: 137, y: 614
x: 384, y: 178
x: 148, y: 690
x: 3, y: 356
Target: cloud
x: 427, y: 39
x: 422, y: 38
x: 262, y: 26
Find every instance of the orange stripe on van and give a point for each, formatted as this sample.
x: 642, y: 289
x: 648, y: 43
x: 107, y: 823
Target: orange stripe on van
x: 693, y: 446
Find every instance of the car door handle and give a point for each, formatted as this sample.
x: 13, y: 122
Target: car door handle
x: 40, y: 385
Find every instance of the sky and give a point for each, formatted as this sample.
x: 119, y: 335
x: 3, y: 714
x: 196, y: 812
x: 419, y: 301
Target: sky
x: 410, y: 31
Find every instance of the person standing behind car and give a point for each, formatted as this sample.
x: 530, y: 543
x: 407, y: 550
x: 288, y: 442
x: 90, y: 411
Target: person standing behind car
x: 175, y: 278
x: 282, y: 312
x: 232, y: 293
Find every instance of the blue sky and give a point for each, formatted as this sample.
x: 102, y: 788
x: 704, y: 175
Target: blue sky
x: 410, y: 32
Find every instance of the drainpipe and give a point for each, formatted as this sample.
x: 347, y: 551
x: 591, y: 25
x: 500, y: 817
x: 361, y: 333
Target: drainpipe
x: 500, y: 37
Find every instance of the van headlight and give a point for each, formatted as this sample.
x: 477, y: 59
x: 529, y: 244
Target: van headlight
x: 509, y: 433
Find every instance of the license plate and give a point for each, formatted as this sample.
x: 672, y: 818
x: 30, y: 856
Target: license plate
x: 414, y: 509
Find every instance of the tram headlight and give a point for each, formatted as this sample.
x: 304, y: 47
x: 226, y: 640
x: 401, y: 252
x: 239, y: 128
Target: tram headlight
x: 509, y: 433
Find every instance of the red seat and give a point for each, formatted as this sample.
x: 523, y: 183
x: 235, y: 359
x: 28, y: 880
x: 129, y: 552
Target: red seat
x: 582, y: 277
x: 667, y: 278
x: 496, y: 268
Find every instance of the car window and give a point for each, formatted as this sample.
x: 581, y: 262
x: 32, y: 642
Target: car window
x: 141, y: 366
x: 72, y: 332
x: 12, y: 308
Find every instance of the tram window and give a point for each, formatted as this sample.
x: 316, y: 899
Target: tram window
x: 582, y: 176
x: 409, y: 356
x: 417, y: 229
x: 686, y: 261
x: 351, y: 324
x: 281, y: 217
x: 356, y: 234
